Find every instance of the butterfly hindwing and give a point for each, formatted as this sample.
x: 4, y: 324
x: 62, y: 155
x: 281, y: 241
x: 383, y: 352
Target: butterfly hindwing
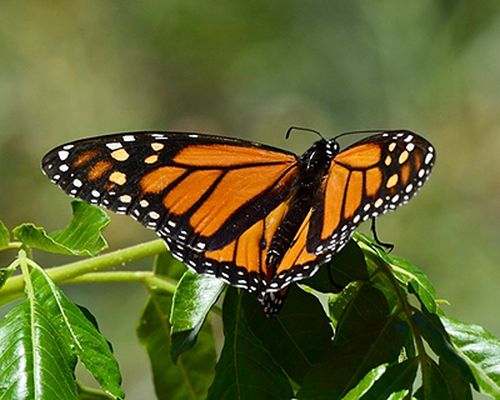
x: 198, y: 190
x: 369, y: 178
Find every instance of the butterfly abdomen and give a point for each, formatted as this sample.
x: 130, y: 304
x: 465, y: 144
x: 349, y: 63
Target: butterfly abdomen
x: 313, y: 165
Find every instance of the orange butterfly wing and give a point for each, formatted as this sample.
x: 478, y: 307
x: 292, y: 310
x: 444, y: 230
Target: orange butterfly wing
x: 199, y: 191
x: 370, y: 178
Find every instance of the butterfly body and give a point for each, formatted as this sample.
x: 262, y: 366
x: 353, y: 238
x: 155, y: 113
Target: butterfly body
x: 254, y: 215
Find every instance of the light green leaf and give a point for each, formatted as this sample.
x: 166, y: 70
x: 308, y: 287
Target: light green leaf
x: 366, y: 383
x: 481, y: 351
x: 194, y: 297
x: 4, y: 235
x: 412, y: 276
x: 397, y: 378
x: 35, y: 361
x: 78, y: 334
x: 86, y: 393
x: 82, y: 237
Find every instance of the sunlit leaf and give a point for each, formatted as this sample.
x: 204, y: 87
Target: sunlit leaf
x: 411, y: 275
x: 367, y: 336
x: 79, y: 334
x: 82, y: 237
x: 366, y: 383
x: 4, y: 235
x: 35, y: 361
x: 480, y: 349
x: 398, y: 377
x: 194, y: 371
x: 245, y: 370
x: 288, y: 335
x: 194, y: 297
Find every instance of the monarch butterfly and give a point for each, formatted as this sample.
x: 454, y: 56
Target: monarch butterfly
x: 256, y: 216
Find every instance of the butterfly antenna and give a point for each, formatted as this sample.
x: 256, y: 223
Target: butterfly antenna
x: 368, y: 131
x: 300, y: 128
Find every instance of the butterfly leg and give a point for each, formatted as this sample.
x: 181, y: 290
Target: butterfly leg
x: 387, y: 246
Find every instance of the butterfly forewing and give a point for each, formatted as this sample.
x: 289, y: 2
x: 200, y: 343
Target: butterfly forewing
x: 200, y: 191
x: 365, y: 180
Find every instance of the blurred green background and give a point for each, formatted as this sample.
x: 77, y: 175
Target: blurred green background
x: 250, y: 69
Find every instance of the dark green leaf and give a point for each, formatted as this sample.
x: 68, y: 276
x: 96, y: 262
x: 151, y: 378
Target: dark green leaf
x: 82, y: 237
x: 366, y: 383
x: 460, y: 388
x: 245, y: 370
x: 412, y: 276
x: 480, y: 349
x: 4, y: 235
x: 434, y: 385
x: 396, y: 378
x: 78, y: 334
x: 297, y: 337
x: 194, y: 297
x: 192, y: 375
x: 35, y: 361
x: 431, y: 328
x: 346, y: 266
x: 367, y: 336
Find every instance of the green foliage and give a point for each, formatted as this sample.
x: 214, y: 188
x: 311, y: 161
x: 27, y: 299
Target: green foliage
x: 245, y: 369
x: 190, y: 375
x: 351, y: 332
x: 4, y: 235
x: 80, y: 238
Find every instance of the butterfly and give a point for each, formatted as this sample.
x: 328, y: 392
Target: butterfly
x: 256, y: 216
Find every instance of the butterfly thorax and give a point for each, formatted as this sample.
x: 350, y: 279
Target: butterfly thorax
x: 313, y: 165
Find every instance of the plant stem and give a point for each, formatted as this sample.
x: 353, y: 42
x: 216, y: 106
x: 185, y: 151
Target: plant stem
x: 149, y: 279
x: 11, y: 245
x: 14, y: 286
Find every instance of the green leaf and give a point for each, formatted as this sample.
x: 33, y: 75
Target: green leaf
x: 346, y: 266
x: 399, y: 395
x: 82, y: 237
x: 338, y: 302
x: 78, y: 334
x: 5, y: 274
x: 366, y: 383
x: 86, y: 393
x: 433, y: 331
x: 434, y: 385
x: 192, y: 375
x: 4, y: 235
x: 288, y: 335
x: 481, y: 351
x: 245, y: 370
x: 413, y: 277
x: 194, y: 297
x: 367, y: 336
x: 35, y: 361
x: 398, y: 377
x: 460, y: 388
